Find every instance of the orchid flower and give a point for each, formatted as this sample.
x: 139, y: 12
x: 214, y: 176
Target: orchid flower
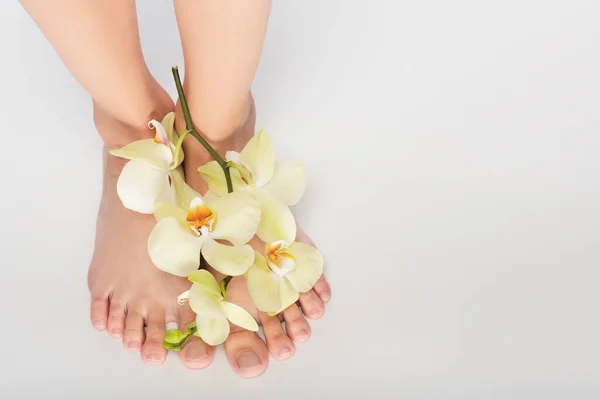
x: 213, y: 312
x: 275, y: 185
x: 287, y: 269
x: 146, y: 179
x: 182, y: 234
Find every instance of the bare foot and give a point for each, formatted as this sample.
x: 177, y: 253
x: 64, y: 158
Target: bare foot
x: 131, y: 298
x: 246, y: 351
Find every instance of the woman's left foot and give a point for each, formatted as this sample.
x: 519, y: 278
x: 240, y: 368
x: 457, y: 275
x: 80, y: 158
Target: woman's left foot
x: 246, y: 351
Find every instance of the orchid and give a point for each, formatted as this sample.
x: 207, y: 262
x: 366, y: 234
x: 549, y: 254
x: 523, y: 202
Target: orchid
x: 181, y: 235
x: 147, y: 178
x: 287, y: 269
x: 213, y: 312
x: 275, y: 185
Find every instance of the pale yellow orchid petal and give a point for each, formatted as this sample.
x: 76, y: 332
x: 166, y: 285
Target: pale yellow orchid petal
x: 147, y: 151
x: 168, y: 123
x: 205, y: 303
x: 237, y: 217
x: 184, y: 194
x: 213, y: 331
x: 277, y: 221
x: 206, y: 281
x: 215, y: 179
x: 309, y: 266
x: 173, y: 249
x: 259, y: 157
x: 288, y: 294
x: 164, y: 210
x: 288, y: 182
x: 239, y: 316
x: 141, y: 186
x: 228, y: 260
x: 263, y: 285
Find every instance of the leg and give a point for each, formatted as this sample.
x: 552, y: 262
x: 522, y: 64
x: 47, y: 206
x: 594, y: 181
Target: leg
x: 98, y: 41
x: 222, y: 43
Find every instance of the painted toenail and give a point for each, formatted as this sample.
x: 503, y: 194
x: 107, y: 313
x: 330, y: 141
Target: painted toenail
x: 132, y: 344
x: 196, y: 351
x: 284, y: 352
x: 301, y: 334
x: 248, y: 359
x: 325, y: 295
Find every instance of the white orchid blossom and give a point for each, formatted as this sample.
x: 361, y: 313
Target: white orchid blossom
x: 275, y: 185
x: 213, y: 312
x: 181, y: 235
x: 147, y: 178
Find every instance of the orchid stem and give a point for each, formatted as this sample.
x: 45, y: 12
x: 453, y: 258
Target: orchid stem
x: 190, y: 127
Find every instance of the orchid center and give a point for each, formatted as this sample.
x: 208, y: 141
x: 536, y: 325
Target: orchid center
x: 278, y: 260
x: 200, y: 218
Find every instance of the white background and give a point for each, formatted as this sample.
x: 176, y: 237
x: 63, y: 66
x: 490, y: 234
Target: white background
x: 453, y: 150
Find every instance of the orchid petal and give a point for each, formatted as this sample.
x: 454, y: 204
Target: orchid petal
x: 173, y: 249
x: 238, y: 216
x: 277, y: 221
x: 141, y: 186
x: 228, y: 260
x: 288, y: 182
x: 206, y: 281
x: 263, y: 285
x: 215, y: 179
x: 205, y: 304
x: 213, y: 331
x: 165, y: 210
x: 147, y: 151
x: 259, y: 157
x: 239, y: 316
x: 309, y: 266
x: 184, y: 194
x: 168, y: 122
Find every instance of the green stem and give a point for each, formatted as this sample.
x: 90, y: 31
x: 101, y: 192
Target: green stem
x: 190, y: 127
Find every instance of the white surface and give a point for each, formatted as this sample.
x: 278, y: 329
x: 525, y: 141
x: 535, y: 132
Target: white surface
x: 453, y: 151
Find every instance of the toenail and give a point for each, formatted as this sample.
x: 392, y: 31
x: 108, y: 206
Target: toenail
x: 116, y: 332
x: 152, y: 357
x: 196, y: 351
x: 325, y: 295
x: 301, y: 334
x: 99, y: 324
x: 284, y: 352
x: 132, y: 344
x: 248, y: 359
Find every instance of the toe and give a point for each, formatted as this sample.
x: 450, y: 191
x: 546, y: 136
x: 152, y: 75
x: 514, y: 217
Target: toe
x: 246, y: 352
x: 311, y: 304
x: 295, y: 324
x: 116, y: 318
x: 99, y: 312
x: 279, y: 344
x: 196, y: 354
x: 153, y: 352
x: 133, y: 338
x: 322, y: 289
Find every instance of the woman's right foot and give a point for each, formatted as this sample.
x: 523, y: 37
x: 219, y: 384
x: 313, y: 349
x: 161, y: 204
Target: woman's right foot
x: 132, y: 299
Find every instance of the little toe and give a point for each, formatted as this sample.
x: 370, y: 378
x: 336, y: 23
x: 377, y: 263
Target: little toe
x: 116, y: 318
x: 295, y: 324
x: 153, y: 352
x: 99, y: 311
x: 322, y: 289
x: 133, y: 338
x: 246, y: 352
x: 280, y: 345
x: 311, y: 304
x: 195, y: 354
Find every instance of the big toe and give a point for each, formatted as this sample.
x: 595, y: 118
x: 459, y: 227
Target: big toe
x: 195, y: 354
x: 246, y: 352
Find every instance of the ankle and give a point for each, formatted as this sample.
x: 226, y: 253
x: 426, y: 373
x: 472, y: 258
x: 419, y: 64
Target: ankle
x: 220, y: 126
x: 117, y: 131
